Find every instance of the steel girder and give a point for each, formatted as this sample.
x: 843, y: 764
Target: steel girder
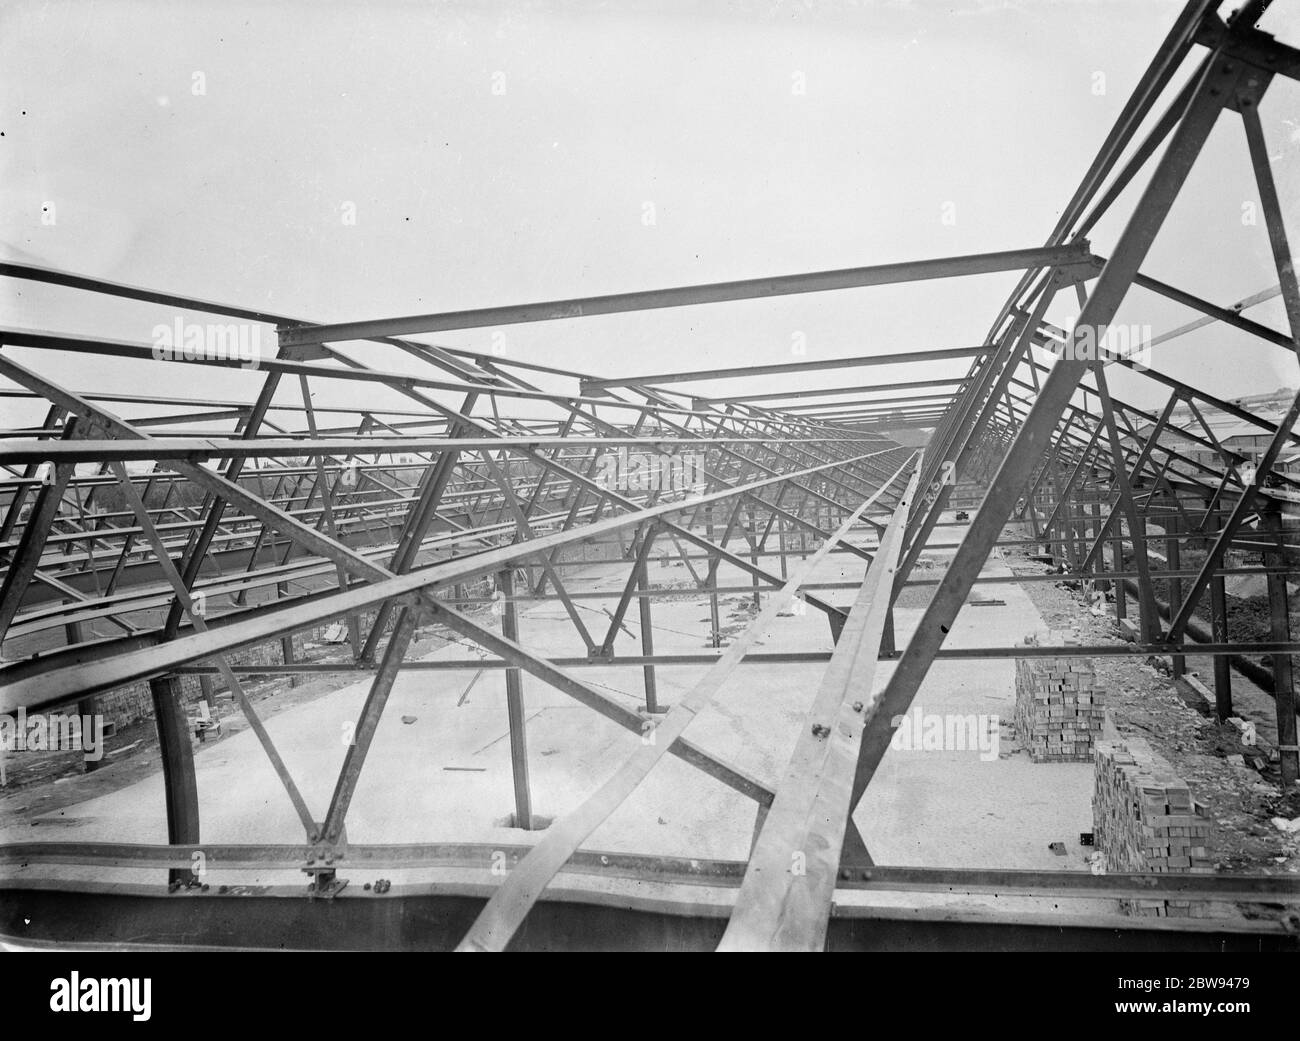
x: 398, y: 507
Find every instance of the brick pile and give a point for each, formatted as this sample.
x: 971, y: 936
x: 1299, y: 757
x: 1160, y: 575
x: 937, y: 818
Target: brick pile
x: 1144, y: 818
x: 1060, y: 708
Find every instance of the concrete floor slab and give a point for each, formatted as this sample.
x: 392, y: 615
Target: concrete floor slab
x: 445, y: 776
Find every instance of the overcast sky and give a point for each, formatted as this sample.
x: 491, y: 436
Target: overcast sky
x: 513, y: 152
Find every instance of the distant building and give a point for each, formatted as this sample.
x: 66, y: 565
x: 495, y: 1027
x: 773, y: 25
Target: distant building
x: 1233, y: 434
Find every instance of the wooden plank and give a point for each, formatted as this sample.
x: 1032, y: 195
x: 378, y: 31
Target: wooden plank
x: 785, y: 900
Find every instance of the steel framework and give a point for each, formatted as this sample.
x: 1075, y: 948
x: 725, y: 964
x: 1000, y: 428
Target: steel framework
x: 250, y: 519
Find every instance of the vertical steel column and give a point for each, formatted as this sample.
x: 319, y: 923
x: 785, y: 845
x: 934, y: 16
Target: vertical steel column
x: 1117, y: 564
x: 207, y: 690
x: 86, y: 706
x: 1219, y: 629
x: 716, y: 638
x: 1173, y: 553
x: 1076, y: 513
x: 1078, y: 522
x: 1148, y: 615
x: 647, y: 633
x: 1149, y: 627
x: 515, y: 707
x: 1283, y: 685
x: 286, y: 641
x: 179, y: 784
x: 1100, y: 567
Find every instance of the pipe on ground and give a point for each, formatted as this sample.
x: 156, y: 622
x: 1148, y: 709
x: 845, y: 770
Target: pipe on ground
x: 1257, y: 674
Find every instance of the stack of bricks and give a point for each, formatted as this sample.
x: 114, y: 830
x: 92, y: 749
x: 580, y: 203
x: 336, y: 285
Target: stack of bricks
x: 1144, y: 818
x: 1060, y: 709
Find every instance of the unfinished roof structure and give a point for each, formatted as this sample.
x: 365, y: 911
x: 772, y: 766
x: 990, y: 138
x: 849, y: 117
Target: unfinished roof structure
x: 156, y: 538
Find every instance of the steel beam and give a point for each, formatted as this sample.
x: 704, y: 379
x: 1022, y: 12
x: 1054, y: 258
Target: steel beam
x: 505, y: 912
x: 718, y: 292
x: 784, y: 902
x: 1217, y: 81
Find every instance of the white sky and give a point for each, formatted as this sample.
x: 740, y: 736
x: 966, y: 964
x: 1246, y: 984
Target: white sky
x: 469, y: 198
